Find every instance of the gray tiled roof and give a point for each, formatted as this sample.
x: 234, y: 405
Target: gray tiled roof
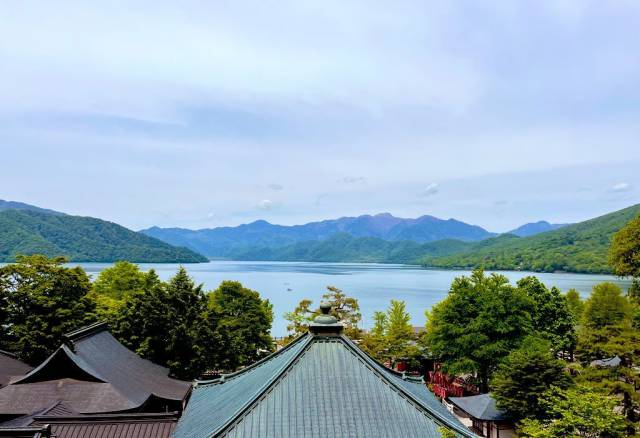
x: 482, y: 407
x: 321, y: 386
x: 11, y: 367
x: 92, y: 373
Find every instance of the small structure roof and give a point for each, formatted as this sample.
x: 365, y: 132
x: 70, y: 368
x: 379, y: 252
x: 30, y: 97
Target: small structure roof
x: 93, y: 373
x: 91, y: 426
x: 114, y: 425
x: 481, y: 407
x: 320, y: 385
x: 611, y: 362
x: 11, y: 367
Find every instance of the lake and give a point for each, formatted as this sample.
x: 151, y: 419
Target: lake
x: 374, y: 285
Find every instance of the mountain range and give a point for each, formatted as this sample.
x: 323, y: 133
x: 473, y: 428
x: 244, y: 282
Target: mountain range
x: 26, y: 229
x: 381, y: 238
x: 229, y: 242
x: 537, y: 246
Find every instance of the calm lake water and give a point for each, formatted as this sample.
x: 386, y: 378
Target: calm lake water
x: 374, y: 285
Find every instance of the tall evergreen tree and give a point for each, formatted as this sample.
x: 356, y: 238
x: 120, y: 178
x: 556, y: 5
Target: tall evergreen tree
x: 167, y: 324
x: 525, y: 375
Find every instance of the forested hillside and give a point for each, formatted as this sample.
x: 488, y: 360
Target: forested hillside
x: 87, y: 239
x: 580, y: 247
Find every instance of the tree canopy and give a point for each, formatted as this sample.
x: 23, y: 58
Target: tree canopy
x: 551, y: 316
x: 41, y: 300
x: 241, y: 321
x: 167, y: 325
x: 525, y: 375
x: 624, y: 253
x: 575, y: 412
x: 482, y: 319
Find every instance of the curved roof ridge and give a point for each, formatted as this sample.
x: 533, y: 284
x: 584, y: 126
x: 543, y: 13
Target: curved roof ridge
x: 69, y: 354
x: 226, y: 377
x: 83, y: 332
x: 385, y: 373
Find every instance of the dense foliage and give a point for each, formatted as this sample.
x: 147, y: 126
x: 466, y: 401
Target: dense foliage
x: 581, y: 247
x: 576, y: 412
x: 525, y: 375
x: 81, y: 239
x: 392, y: 336
x: 241, y: 322
x: 40, y: 300
x: 480, y: 322
x: 624, y: 255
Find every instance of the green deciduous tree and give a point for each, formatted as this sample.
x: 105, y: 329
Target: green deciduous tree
x: 576, y: 412
x: 481, y: 321
x: 551, y: 317
x: 242, y: 322
x: 41, y: 300
x: 624, y: 253
x: 525, y: 375
x: 117, y: 282
x: 575, y: 303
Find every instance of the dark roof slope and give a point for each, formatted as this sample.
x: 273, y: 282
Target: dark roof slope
x: 11, y: 367
x: 482, y: 407
x: 317, y: 386
x: 93, y: 373
x: 120, y: 426
x: 92, y: 426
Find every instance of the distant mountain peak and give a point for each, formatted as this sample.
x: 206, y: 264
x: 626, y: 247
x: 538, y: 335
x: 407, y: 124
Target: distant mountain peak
x: 532, y: 228
x: 14, y: 205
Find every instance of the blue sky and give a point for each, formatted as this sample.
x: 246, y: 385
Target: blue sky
x: 202, y: 114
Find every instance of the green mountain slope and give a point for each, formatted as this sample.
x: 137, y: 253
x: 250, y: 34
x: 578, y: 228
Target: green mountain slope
x: 82, y: 239
x: 580, y: 247
x: 343, y: 247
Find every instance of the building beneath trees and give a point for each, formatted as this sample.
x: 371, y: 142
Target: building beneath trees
x: 480, y: 413
x: 320, y: 385
x: 92, y: 373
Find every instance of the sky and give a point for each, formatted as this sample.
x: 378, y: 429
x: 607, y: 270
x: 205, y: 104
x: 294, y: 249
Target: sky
x: 200, y: 114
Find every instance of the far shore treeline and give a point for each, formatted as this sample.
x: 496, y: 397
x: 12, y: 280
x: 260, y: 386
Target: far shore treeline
x: 530, y: 345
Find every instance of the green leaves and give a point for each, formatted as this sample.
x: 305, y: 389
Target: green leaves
x: 576, y: 412
x: 525, y: 375
x: 40, y: 300
x: 480, y: 322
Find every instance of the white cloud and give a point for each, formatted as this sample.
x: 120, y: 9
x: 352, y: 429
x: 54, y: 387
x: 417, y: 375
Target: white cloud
x: 621, y: 187
x: 430, y: 190
x: 265, y: 204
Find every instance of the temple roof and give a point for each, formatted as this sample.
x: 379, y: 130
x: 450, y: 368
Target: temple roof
x: 482, y: 407
x: 11, y: 367
x: 92, y: 373
x: 92, y: 426
x: 320, y: 385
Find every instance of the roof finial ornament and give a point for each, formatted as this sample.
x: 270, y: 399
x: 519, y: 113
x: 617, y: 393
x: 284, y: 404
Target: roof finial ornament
x: 325, y: 324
